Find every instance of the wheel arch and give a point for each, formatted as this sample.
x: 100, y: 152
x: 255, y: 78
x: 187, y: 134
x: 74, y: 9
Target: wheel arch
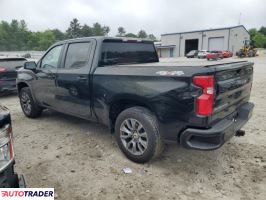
x: 120, y: 104
x: 21, y: 85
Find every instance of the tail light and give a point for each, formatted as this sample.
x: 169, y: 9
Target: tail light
x: 2, y: 69
x: 6, y: 146
x: 204, y: 102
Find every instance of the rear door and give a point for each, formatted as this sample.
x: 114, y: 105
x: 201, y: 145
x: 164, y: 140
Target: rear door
x: 73, y: 93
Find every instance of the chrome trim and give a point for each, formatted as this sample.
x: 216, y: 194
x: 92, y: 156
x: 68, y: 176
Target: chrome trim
x: 7, y: 164
x: 6, y: 141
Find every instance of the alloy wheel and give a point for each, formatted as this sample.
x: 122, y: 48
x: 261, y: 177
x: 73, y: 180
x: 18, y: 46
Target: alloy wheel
x: 133, y: 136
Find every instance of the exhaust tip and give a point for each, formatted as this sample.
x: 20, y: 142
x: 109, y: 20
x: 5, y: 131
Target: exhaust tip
x: 240, y: 133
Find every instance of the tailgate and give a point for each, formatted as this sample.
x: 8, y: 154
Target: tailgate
x: 233, y: 87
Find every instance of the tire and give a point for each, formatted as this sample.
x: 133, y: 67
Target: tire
x: 28, y: 105
x: 148, y: 141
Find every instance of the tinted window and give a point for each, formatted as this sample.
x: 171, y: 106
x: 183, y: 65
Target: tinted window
x: 50, y: 60
x: 125, y: 52
x: 77, y: 55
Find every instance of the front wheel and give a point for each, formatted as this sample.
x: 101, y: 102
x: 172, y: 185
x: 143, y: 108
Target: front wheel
x: 28, y: 105
x: 137, y: 134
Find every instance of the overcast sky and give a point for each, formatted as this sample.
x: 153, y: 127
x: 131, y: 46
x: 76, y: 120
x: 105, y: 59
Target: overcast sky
x: 154, y: 16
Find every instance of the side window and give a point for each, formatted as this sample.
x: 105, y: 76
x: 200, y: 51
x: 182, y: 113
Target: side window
x: 77, y: 55
x: 51, y: 59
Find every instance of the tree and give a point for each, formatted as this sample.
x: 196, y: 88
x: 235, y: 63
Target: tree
x: 74, y: 29
x: 4, y: 36
x: 152, y: 37
x: 260, y: 40
x: 99, y: 30
x: 142, y: 34
x: 263, y: 30
x: 131, y: 35
x: 45, y: 39
x: 15, y: 36
x: 106, y: 30
x: 59, y: 35
x: 86, y: 31
x: 252, y: 32
x: 121, y: 31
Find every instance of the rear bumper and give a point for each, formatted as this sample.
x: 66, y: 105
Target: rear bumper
x: 7, y: 85
x: 215, y: 137
x: 201, y: 57
x: 9, y: 179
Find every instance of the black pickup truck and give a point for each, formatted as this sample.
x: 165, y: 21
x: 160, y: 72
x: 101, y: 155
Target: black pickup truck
x: 120, y: 82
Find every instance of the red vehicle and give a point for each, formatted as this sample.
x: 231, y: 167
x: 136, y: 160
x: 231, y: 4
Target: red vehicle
x: 227, y: 54
x: 214, y: 55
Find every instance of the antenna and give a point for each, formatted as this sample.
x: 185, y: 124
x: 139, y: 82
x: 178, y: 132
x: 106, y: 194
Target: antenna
x: 239, y: 20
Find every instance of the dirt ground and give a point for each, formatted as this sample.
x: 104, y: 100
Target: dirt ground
x: 81, y: 160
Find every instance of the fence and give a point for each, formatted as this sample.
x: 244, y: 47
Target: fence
x: 33, y: 54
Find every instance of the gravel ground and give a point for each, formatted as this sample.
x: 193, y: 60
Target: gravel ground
x: 81, y: 160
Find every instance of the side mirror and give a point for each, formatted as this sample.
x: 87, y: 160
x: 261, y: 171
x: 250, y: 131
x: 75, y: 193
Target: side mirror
x: 31, y: 65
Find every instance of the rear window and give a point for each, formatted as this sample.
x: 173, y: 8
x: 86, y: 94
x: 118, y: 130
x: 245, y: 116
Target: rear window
x: 127, y: 52
x: 12, y: 63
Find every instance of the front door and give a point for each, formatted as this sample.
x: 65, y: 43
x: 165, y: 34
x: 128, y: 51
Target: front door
x: 73, y: 84
x: 45, y: 86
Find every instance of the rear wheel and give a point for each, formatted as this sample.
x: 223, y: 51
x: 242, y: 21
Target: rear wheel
x: 29, y: 107
x: 137, y: 134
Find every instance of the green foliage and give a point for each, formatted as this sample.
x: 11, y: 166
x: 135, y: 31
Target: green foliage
x: 263, y: 30
x: 15, y: 36
x: 260, y: 40
x: 152, y: 37
x: 74, y: 29
x: 86, y: 31
x: 121, y: 31
x: 99, y: 30
x: 258, y: 37
x: 131, y: 35
x: 142, y: 34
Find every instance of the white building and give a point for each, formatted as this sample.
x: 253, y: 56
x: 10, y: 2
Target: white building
x: 179, y: 44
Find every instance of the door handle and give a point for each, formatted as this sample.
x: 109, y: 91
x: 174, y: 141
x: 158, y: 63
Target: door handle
x: 82, y: 78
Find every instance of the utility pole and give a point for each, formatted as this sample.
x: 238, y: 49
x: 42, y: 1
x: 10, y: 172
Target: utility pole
x: 239, y: 20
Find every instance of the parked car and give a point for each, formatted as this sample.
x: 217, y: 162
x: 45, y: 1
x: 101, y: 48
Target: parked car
x: 8, y: 178
x: 214, y: 55
x: 192, y: 54
x: 227, y: 54
x: 8, y: 74
x: 120, y: 83
x: 202, y: 53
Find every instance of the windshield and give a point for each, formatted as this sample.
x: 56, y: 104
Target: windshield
x: 127, y: 52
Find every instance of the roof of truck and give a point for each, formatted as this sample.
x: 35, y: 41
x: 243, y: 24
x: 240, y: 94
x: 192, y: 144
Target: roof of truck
x: 101, y: 38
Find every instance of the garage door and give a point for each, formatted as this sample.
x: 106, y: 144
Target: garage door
x: 216, y: 43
